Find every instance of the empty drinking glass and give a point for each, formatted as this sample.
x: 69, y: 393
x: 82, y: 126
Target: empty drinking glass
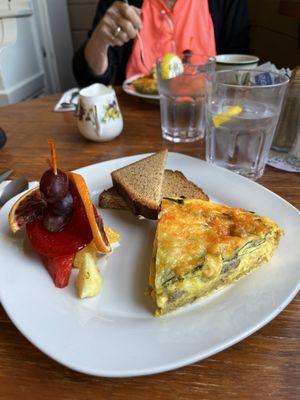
x: 242, y: 112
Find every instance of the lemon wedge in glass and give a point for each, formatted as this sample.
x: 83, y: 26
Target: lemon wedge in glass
x: 220, y: 119
x: 171, y: 66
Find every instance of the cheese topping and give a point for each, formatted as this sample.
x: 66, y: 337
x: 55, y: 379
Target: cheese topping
x: 188, y: 233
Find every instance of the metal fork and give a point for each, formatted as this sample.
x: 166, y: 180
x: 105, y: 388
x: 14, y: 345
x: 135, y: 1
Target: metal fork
x: 140, y: 44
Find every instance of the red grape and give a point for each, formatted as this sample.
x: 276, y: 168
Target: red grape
x: 187, y: 55
x: 53, y: 222
x: 55, y: 190
x: 63, y: 206
x: 53, y: 186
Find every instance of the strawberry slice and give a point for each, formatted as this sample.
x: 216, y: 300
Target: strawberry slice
x: 60, y: 269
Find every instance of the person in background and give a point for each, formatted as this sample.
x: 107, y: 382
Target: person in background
x: 112, y: 52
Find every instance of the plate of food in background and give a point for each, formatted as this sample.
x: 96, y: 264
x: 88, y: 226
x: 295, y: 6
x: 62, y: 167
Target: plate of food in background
x: 144, y: 86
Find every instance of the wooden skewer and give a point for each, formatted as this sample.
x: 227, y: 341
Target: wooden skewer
x: 53, y: 155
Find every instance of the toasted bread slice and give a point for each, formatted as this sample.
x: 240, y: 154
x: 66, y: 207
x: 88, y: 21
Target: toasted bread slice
x: 110, y: 198
x: 175, y: 184
x: 140, y: 184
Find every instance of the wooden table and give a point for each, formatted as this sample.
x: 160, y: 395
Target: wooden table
x: 266, y: 365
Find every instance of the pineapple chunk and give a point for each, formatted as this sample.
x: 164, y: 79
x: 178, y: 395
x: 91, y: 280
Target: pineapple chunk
x: 88, y: 281
x: 112, y: 235
x: 80, y: 257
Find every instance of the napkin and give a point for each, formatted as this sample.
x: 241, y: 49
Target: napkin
x: 268, y: 66
x: 279, y: 160
x: 66, y: 98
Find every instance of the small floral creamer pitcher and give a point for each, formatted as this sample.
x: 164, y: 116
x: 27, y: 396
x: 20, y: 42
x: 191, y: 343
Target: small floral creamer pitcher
x: 99, y: 115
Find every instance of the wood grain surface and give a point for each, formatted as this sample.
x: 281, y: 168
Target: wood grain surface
x: 264, y: 366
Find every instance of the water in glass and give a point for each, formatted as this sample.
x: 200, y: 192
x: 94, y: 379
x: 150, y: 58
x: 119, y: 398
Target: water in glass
x: 183, y: 95
x: 242, y: 113
x: 182, y: 114
x: 242, y: 142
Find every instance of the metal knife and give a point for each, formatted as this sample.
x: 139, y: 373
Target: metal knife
x: 5, y: 175
x: 12, y: 189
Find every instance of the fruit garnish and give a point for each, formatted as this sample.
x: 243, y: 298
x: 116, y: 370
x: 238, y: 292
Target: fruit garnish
x: 53, y: 222
x: 59, y: 269
x: 171, y: 66
x: 27, y: 208
x: 112, y: 235
x: 58, y: 214
x: 80, y: 256
x: 95, y: 221
x: 75, y: 235
x: 83, y: 226
x: 88, y: 281
x: 220, y: 119
x: 55, y: 188
x: 60, y: 221
x: 187, y: 55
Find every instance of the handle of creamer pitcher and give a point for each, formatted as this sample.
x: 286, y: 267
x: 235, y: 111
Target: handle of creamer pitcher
x: 96, y: 121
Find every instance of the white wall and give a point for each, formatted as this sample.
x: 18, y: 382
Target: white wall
x: 53, y: 25
x: 61, y: 36
x: 40, y: 60
x: 21, y: 69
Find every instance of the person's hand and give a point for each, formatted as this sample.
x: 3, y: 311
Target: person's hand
x: 120, y: 23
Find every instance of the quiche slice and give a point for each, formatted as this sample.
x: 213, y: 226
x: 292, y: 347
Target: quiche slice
x: 202, y: 246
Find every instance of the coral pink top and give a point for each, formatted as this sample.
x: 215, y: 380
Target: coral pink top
x: 187, y: 26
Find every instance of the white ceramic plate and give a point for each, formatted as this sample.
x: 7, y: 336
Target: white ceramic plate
x: 129, y: 89
x: 115, y: 333
x: 234, y: 59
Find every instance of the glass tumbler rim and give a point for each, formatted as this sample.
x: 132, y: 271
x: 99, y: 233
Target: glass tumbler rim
x: 285, y: 79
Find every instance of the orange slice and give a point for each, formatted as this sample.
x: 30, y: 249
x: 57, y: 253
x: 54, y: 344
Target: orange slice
x: 99, y: 236
x: 27, y: 208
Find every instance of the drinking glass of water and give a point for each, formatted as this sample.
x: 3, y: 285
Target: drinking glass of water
x: 181, y: 85
x: 243, y: 108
